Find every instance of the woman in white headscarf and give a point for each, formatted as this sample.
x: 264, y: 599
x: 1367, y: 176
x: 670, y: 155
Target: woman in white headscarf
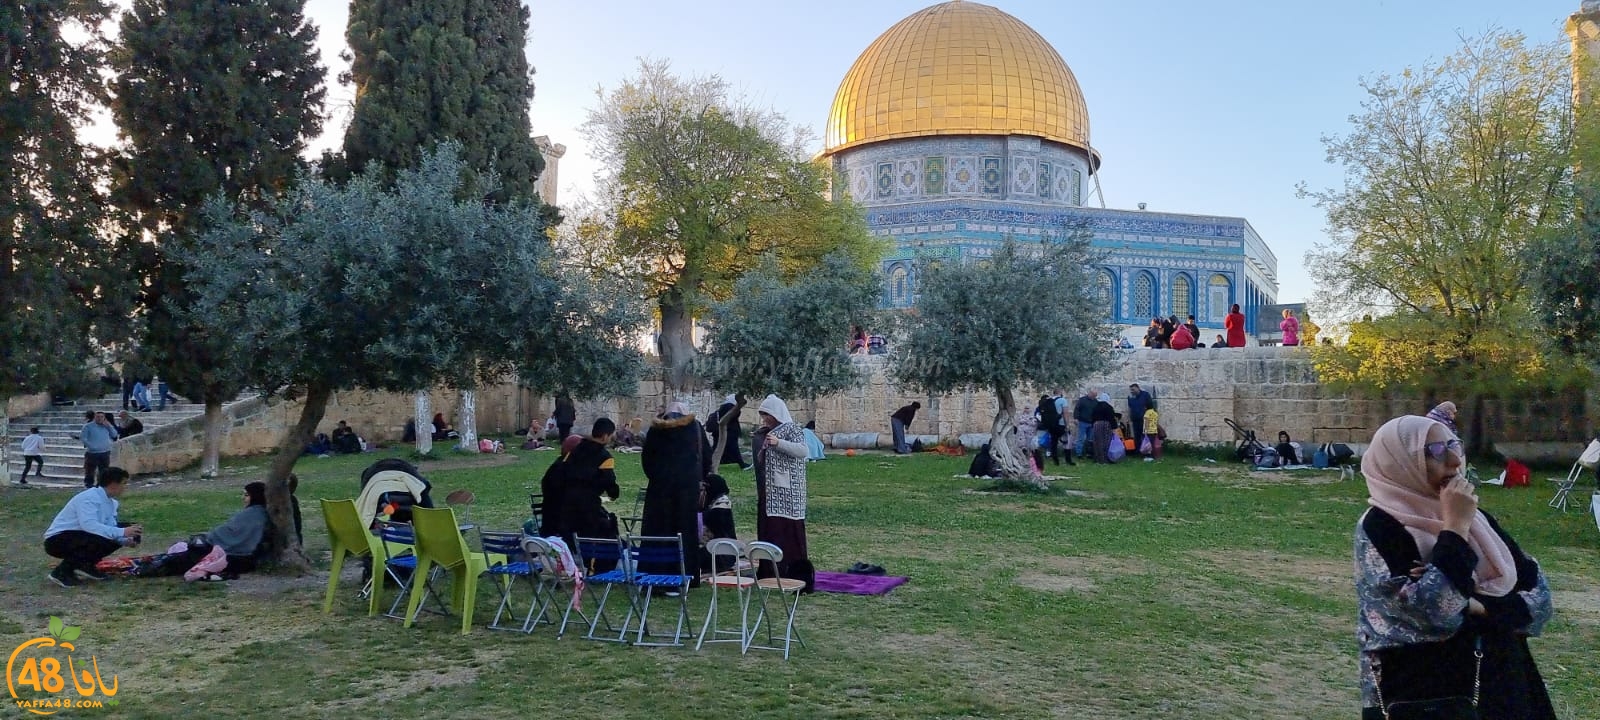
x: 1446, y: 599
x: 780, y: 456
x: 1104, y: 428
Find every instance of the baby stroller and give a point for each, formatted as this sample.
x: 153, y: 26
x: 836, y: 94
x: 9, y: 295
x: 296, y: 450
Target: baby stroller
x: 1586, y: 461
x: 1249, y: 448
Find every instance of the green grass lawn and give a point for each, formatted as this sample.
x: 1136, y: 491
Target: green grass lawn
x: 1179, y: 589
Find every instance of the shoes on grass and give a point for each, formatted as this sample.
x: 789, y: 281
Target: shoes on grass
x: 63, y: 577
x: 93, y: 574
x: 861, y: 568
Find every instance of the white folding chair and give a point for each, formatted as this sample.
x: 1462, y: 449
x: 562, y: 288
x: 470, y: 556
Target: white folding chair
x: 1586, y: 461
x: 554, y: 589
x: 788, y: 592
x: 740, y: 579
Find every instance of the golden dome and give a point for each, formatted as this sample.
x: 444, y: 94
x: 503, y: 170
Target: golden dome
x: 958, y: 68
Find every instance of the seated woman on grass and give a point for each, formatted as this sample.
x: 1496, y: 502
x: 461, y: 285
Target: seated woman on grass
x: 243, y: 535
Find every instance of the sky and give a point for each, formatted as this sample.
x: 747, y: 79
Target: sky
x: 1202, y: 107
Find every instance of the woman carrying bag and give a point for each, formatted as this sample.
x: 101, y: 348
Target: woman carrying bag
x: 1447, y: 601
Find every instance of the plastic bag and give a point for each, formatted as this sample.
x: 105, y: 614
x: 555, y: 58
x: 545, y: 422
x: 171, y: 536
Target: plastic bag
x: 1116, y: 450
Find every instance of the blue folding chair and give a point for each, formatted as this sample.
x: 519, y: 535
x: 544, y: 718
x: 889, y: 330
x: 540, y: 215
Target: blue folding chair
x: 592, y: 552
x: 399, y: 542
x: 517, y: 565
x: 660, y: 552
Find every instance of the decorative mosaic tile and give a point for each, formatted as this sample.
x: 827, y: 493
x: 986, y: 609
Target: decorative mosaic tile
x: 993, y: 176
x: 1045, y: 186
x: 861, y: 184
x: 885, y: 180
x: 908, y: 178
x: 963, y: 175
x: 1024, y: 176
x: 933, y: 179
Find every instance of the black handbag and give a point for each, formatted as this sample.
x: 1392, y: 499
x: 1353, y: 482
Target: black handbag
x: 1455, y: 707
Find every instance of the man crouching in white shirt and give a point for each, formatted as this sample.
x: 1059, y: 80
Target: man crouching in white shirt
x: 86, y: 530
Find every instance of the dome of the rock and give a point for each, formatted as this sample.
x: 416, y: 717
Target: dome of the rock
x: 958, y: 68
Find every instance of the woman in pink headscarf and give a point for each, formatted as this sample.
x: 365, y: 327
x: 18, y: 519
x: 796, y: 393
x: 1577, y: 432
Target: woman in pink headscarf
x: 1446, y: 598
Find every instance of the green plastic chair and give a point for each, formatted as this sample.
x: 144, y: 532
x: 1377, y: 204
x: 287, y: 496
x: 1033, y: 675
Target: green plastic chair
x: 440, y: 543
x: 349, y: 539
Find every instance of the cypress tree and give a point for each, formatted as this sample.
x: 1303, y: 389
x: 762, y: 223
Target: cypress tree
x: 55, y: 292
x: 427, y: 71
x: 211, y: 96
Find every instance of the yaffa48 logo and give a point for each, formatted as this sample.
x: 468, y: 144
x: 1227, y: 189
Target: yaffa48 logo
x: 45, y: 677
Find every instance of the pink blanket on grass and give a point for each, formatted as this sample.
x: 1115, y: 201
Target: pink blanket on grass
x: 857, y: 584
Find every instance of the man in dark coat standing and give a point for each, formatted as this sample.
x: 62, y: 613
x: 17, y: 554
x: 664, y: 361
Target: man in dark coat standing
x: 676, y: 459
x: 1138, y: 402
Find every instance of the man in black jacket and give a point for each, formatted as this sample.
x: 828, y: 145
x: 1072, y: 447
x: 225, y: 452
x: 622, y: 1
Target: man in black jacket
x: 1083, y: 412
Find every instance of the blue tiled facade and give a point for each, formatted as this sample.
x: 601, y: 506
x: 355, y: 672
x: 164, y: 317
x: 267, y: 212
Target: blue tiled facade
x: 962, y: 196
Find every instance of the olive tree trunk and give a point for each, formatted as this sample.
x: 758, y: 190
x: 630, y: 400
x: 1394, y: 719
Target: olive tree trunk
x: 211, y: 454
x: 677, y: 342
x: 424, y: 423
x: 290, y: 556
x: 1004, y: 446
x: 469, y: 421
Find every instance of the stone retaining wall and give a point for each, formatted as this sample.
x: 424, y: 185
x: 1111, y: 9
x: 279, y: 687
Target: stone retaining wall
x: 1265, y: 389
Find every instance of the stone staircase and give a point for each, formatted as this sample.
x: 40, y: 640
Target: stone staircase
x: 63, y: 454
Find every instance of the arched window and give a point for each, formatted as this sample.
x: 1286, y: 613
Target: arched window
x: 899, y: 286
x: 1220, y: 294
x: 1106, y: 292
x: 1144, y: 295
x: 1182, y: 296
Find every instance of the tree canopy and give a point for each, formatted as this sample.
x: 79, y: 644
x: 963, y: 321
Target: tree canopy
x: 58, y: 291
x: 700, y: 186
x: 787, y: 337
x: 982, y: 326
x: 428, y: 72
x: 334, y: 286
x: 209, y: 97
x: 1452, y: 172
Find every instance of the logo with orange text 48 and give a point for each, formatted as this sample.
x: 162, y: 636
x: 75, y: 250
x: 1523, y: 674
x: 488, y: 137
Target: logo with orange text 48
x: 45, y: 677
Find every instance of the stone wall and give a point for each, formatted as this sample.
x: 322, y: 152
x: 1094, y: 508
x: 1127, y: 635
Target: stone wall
x: 23, y: 405
x: 1265, y: 389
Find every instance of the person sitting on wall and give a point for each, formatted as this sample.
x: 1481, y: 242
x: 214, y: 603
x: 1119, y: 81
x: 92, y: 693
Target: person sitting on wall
x: 128, y: 425
x: 1182, y: 339
x: 345, y: 439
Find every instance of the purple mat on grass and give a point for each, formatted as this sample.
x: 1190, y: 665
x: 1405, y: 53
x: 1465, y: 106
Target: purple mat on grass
x: 857, y: 584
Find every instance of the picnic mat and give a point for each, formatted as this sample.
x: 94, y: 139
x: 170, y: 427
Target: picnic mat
x: 857, y: 584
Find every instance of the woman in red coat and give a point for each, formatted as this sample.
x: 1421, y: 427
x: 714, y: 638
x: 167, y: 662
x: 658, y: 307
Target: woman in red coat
x: 1235, y: 325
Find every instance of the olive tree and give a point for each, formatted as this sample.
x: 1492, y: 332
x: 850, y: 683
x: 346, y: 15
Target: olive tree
x: 787, y: 336
x: 333, y: 287
x: 1026, y: 317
